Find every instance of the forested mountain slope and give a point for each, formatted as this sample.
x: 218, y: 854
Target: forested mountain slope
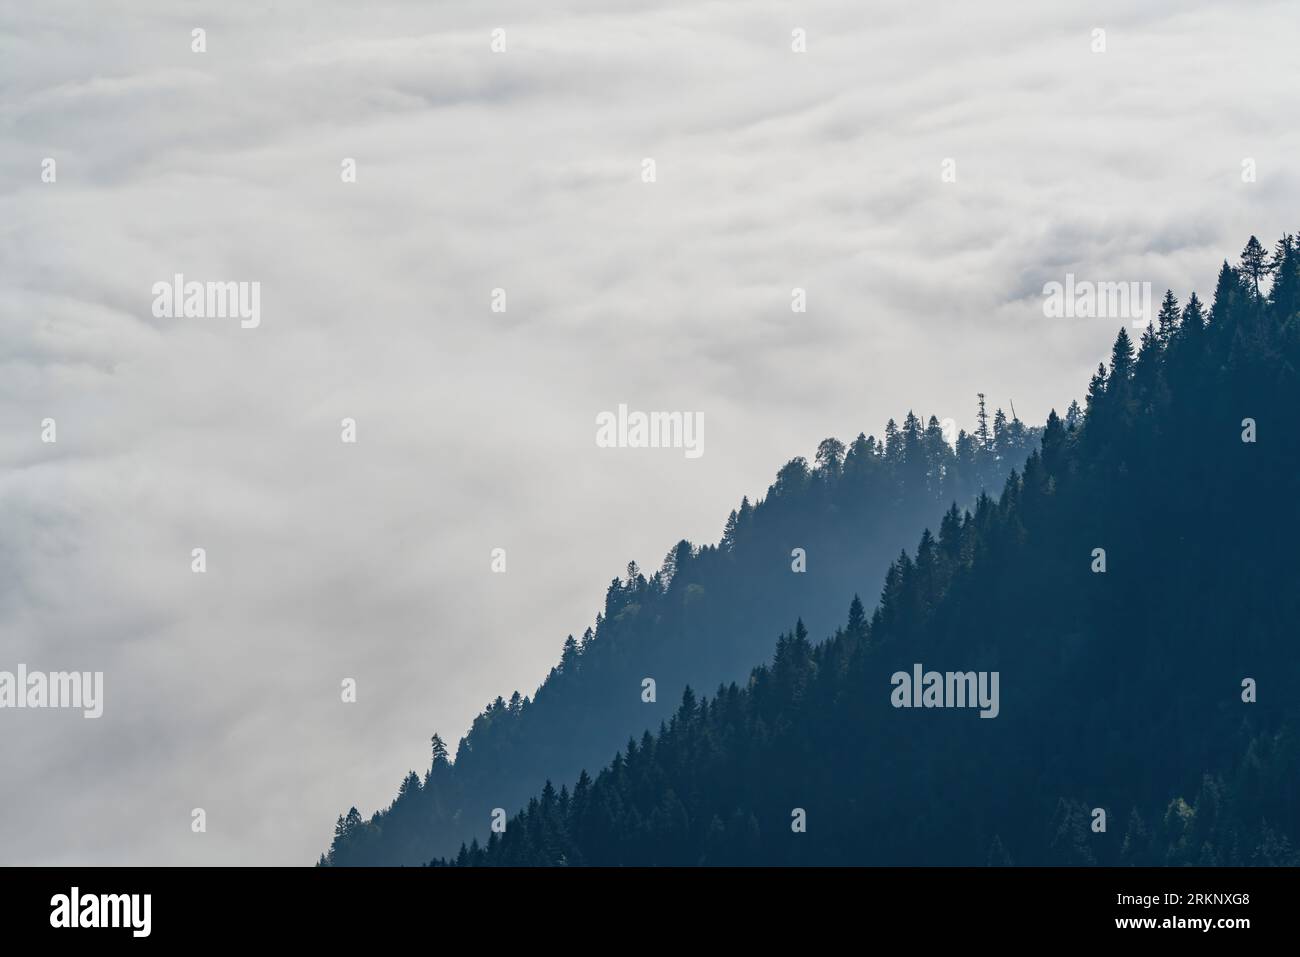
x: 708, y: 615
x: 1148, y: 695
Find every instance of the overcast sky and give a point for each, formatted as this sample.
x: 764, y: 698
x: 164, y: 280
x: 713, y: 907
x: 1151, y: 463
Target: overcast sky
x: 519, y: 170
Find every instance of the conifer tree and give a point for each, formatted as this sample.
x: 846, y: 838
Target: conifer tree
x: 1167, y: 319
x: 1255, y: 263
x: 1121, y: 358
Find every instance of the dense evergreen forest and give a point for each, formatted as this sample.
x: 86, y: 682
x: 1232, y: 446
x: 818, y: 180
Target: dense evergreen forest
x: 1155, y: 681
x: 708, y: 615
